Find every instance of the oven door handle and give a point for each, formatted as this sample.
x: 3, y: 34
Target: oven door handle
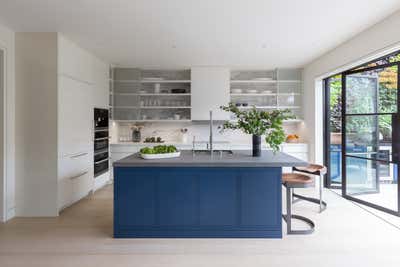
x: 102, y: 138
x: 101, y: 161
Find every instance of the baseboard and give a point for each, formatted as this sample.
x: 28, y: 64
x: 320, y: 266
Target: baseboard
x: 101, y: 181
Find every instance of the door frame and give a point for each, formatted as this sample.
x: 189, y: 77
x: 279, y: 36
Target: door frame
x: 3, y: 92
x: 344, y: 176
x: 326, y: 133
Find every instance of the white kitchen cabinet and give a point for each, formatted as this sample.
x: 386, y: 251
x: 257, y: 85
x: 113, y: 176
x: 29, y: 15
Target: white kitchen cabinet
x: 82, y: 185
x: 74, y: 61
x: 298, y: 150
x: 210, y: 90
x: 75, y: 180
x: 75, y: 112
x: 57, y: 100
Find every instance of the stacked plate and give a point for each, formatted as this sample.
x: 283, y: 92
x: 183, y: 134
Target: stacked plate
x: 236, y: 91
x: 263, y: 79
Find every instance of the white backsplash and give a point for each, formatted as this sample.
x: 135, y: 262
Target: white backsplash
x: 171, y: 132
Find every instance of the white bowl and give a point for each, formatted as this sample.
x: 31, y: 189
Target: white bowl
x: 252, y: 91
x: 161, y: 156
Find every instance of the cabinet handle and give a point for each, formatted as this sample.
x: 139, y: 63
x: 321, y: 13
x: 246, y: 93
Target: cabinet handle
x: 79, y: 175
x: 79, y: 155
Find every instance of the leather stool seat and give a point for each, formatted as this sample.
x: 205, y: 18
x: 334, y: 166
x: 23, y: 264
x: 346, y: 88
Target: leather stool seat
x: 297, y: 180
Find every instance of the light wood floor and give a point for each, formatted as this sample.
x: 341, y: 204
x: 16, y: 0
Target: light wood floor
x: 82, y: 236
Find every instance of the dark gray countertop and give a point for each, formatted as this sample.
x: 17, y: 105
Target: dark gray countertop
x: 239, y: 158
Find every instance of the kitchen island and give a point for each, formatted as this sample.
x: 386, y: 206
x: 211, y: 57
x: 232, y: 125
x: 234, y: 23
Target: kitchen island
x: 199, y: 195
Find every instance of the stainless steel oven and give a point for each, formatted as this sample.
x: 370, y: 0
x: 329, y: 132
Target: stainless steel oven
x: 101, y: 141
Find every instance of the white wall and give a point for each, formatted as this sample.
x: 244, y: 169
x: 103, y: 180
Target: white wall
x: 7, y: 42
x: 376, y: 41
x: 170, y: 132
x: 36, y: 124
x: 2, y: 129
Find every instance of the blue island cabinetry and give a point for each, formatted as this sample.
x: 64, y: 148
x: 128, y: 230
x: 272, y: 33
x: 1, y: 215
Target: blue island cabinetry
x: 197, y: 202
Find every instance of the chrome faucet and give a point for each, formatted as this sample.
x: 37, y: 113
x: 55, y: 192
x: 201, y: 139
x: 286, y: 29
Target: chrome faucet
x: 211, y: 133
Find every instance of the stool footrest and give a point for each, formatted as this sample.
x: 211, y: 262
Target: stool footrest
x: 309, y: 222
x: 310, y: 199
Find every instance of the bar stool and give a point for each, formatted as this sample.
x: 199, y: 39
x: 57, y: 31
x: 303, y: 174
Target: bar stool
x: 290, y: 181
x: 313, y: 169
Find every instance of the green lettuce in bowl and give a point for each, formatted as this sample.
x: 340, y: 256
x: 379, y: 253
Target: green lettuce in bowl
x: 162, y: 149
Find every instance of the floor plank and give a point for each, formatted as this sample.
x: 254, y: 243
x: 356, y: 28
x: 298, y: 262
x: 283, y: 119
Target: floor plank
x: 345, y: 235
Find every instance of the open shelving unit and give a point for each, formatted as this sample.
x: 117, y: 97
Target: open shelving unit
x: 150, y: 95
x: 268, y: 90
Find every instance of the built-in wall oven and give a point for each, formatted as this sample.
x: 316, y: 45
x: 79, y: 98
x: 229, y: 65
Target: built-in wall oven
x: 101, y: 141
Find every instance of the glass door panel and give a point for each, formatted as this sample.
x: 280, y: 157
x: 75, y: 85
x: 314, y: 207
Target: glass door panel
x: 373, y: 91
x: 367, y: 134
x: 370, y: 170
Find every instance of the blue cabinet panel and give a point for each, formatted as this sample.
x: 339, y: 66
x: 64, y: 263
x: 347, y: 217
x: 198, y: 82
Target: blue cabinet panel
x: 136, y: 192
x: 218, y: 197
x: 259, y: 194
x: 177, y: 196
x: 197, y: 202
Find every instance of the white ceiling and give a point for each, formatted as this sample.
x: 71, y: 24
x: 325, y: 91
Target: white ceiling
x: 179, y: 33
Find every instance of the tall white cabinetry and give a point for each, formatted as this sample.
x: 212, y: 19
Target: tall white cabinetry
x: 68, y: 81
x: 210, y: 90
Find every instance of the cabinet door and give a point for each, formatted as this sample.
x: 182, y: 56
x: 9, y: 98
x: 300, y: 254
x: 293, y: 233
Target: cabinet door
x: 210, y: 90
x: 82, y: 184
x: 74, y: 61
x: 64, y: 193
x: 261, y: 197
x: 135, y: 197
x: 218, y: 190
x: 177, y: 194
x: 75, y: 178
x: 75, y: 112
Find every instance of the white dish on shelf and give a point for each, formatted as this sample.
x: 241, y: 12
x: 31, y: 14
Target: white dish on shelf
x: 267, y: 92
x: 236, y: 91
x: 142, y: 92
x: 252, y: 91
x: 161, y: 156
x: 263, y: 79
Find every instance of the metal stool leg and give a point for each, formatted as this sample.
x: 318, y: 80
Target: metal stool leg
x: 289, y: 197
x: 320, y: 193
x: 322, y: 204
x: 289, y: 216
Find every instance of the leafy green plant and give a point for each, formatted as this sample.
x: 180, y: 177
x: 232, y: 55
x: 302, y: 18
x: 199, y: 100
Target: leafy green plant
x: 158, y: 149
x: 259, y: 123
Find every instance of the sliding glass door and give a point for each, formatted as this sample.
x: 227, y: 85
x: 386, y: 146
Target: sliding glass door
x: 333, y: 131
x: 369, y: 147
